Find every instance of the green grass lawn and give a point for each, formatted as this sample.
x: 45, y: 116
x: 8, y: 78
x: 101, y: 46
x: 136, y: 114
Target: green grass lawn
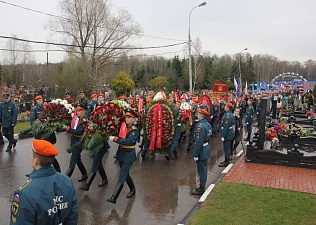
x: 231, y: 203
x: 21, y: 126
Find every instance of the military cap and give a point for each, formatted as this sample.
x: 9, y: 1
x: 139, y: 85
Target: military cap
x: 230, y: 105
x: 250, y: 100
x: 203, y: 111
x: 44, y: 148
x: 81, y: 92
x: 93, y: 95
x: 130, y: 112
x: 6, y: 95
x: 100, y: 94
x: 81, y: 105
x: 38, y: 97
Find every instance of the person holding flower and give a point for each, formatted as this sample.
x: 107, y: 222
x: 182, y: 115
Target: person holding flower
x: 173, y: 151
x: 126, y: 155
x: 35, y: 113
x: 77, y: 130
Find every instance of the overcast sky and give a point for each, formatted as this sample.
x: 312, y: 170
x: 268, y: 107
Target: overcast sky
x: 283, y: 28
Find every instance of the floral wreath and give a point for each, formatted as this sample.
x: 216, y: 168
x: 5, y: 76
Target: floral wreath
x: 53, y: 116
x: 105, y: 121
x: 168, y: 123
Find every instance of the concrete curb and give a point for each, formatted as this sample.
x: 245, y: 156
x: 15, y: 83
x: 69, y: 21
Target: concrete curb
x: 209, y: 190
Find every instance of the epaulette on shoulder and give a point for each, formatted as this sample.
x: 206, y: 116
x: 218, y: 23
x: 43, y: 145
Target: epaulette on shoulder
x: 25, y: 185
x: 134, y: 127
x: 200, y: 125
x: 84, y: 120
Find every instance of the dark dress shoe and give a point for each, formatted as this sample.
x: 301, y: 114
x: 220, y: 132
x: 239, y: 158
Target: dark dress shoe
x: 84, y: 177
x: 8, y: 149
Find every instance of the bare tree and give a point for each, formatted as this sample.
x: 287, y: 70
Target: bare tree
x: 93, y: 33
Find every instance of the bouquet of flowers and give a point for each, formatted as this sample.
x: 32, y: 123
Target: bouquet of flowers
x: 160, y: 131
x: 105, y: 121
x: 271, y: 133
x: 54, y: 115
x: 121, y: 104
x: 310, y: 114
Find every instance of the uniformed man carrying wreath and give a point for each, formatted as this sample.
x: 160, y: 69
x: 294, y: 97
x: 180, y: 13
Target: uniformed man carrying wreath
x: 126, y: 155
x: 202, y: 149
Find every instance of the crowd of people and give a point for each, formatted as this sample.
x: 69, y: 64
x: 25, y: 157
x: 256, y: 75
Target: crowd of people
x: 223, y: 117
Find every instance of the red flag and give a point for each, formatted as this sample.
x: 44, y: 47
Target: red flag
x: 123, y: 130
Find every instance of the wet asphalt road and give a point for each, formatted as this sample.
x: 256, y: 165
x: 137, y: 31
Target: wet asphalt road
x: 163, y: 187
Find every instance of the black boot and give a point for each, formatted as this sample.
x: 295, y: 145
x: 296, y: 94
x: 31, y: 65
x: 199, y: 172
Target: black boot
x: 199, y: 191
x: 175, y: 155
x: 56, y: 166
x: 168, y: 156
x: 84, y: 174
x: 131, y: 186
x: 69, y: 172
x: 226, y: 163
x: 116, y: 193
x: 85, y: 186
x: 103, y: 176
x: 189, y: 147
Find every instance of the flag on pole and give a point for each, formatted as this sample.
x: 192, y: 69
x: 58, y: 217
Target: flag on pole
x: 238, y: 89
x: 246, y: 88
x: 235, y: 83
x: 258, y: 87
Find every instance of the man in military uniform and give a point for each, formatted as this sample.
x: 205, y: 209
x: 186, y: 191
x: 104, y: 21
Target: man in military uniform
x: 1, y: 135
x: 249, y: 118
x: 194, y: 118
x: 37, y: 109
x: 76, y: 129
x: 222, y: 111
x: 92, y: 105
x: 202, y: 149
x: 126, y: 155
x: 101, y: 99
x: 227, y: 132
x: 8, y: 119
x: 238, y: 126
x: 35, y: 113
x: 173, y: 152
x: 258, y: 109
x: 214, y: 117
x: 47, y: 197
x: 82, y: 99
x: 243, y: 104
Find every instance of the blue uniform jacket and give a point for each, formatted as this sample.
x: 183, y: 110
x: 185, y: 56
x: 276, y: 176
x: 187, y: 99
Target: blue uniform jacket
x: 249, y: 113
x: 178, y: 117
x: 215, y: 110
x: 126, y: 151
x: 202, y: 136
x: 47, y: 197
x: 8, y: 114
x: 91, y: 107
x: 227, y: 126
x: 35, y: 112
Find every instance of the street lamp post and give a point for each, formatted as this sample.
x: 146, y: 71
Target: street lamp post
x: 190, y: 60
x: 239, y: 64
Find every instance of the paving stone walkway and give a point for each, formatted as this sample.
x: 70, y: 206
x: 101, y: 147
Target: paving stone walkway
x: 282, y: 177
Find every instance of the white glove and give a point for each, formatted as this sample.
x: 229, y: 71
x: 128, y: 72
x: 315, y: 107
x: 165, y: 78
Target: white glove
x: 247, y: 123
x: 222, y: 139
x: 195, y: 158
x: 111, y: 138
x: 64, y: 127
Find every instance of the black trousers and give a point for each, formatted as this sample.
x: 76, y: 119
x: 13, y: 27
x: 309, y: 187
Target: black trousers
x: 8, y: 132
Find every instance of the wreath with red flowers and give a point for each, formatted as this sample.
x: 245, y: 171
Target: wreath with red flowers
x: 52, y: 118
x: 168, y: 123
x: 105, y: 121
